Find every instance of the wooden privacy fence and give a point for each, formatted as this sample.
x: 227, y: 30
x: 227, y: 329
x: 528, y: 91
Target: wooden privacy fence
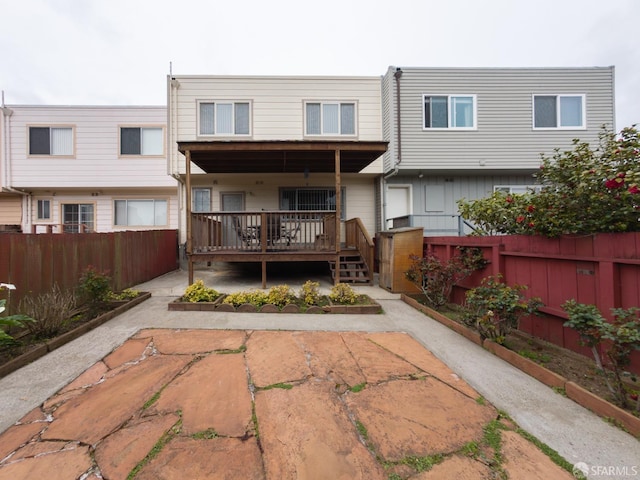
x: 603, y: 270
x: 33, y: 263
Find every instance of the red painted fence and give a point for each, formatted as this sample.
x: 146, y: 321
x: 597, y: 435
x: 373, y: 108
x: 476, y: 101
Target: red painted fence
x: 602, y: 269
x: 33, y: 263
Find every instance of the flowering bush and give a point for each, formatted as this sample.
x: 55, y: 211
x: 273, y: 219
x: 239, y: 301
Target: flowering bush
x: 19, y: 321
x: 281, y: 295
x: 495, y: 308
x: 310, y: 293
x: 343, y: 294
x: 584, y: 190
x: 254, y: 297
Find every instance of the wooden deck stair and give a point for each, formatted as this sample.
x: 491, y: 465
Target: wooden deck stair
x: 351, y: 268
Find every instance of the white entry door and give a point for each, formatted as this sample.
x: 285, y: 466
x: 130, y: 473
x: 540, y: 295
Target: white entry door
x: 398, y: 202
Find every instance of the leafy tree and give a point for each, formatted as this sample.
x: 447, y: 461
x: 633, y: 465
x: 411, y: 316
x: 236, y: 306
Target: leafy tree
x: 583, y: 191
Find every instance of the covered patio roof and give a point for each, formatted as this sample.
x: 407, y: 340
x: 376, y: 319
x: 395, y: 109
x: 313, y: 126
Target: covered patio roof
x: 290, y: 156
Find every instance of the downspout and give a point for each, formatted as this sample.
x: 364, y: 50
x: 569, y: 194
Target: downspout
x: 397, y: 74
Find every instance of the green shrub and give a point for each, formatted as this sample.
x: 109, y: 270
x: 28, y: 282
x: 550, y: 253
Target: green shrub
x: 310, y: 293
x: 10, y: 321
x: 253, y: 297
x: 281, y: 295
x: 343, y: 294
x: 495, y: 308
x: 126, y: 294
x: 50, y: 311
x: 198, y: 292
x: 94, y: 290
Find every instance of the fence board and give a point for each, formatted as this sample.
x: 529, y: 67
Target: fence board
x: 602, y: 269
x: 35, y: 262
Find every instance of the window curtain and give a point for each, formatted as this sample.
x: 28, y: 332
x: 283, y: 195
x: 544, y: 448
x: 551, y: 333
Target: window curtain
x: 151, y: 142
x: 224, y: 118
x: 61, y: 141
x: 313, y: 119
x: 207, y: 118
x: 347, y: 119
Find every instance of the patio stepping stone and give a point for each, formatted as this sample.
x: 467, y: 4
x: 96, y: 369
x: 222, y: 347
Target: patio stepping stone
x: 275, y: 357
x: 522, y: 462
x: 198, y: 341
x: 130, y: 351
x: 17, y: 435
x: 65, y: 463
x: 90, y: 376
x: 92, y: 416
x: 460, y: 468
x: 187, y: 458
x: 306, y: 433
x: 212, y: 394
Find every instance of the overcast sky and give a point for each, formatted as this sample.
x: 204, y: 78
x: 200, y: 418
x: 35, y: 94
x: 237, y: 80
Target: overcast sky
x: 95, y: 52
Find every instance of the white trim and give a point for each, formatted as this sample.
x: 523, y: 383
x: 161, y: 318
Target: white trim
x: 233, y: 112
x: 473, y: 96
x: 558, y: 113
x: 330, y: 102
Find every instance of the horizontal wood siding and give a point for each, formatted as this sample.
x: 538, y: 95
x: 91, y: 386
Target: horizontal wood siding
x: 96, y: 162
x: 277, y: 105
x: 504, y: 139
x: 264, y: 193
x: 10, y: 210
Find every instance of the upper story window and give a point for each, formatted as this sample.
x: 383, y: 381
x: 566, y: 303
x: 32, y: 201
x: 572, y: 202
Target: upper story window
x: 518, y: 189
x: 141, y: 141
x: 330, y: 118
x: 449, y: 111
x: 51, y: 141
x: 224, y: 118
x: 558, y: 111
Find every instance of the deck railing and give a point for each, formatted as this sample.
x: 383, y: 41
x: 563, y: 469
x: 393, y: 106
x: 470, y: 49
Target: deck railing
x: 263, y: 231
x: 357, y: 236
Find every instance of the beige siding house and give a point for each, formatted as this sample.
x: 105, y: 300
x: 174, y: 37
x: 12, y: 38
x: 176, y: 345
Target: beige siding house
x: 88, y: 168
x: 268, y: 144
x: 463, y: 132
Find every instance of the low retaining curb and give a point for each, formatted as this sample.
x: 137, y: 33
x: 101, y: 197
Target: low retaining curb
x: 57, y: 342
x: 218, y: 306
x: 573, y: 391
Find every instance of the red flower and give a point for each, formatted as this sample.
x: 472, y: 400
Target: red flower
x: 633, y: 189
x: 614, y: 183
x: 530, y: 208
x: 509, y: 200
x: 531, y: 224
x: 520, y: 219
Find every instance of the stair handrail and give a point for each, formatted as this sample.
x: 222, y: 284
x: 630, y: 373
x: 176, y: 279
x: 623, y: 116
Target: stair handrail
x: 356, y: 235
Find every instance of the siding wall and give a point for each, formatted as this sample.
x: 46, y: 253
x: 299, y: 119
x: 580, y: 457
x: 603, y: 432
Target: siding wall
x: 277, y: 106
x: 96, y: 162
x: 504, y: 139
x: 10, y: 210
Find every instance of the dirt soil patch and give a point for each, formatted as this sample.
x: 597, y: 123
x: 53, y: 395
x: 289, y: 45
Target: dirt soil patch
x: 571, y: 365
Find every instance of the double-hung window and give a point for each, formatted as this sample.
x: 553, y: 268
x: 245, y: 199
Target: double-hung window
x: 224, y: 118
x: 141, y: 141
x: 51, y: 141
x: 558, y: 111
x: 449, y: 112
x: 330, y: 118
x: 44, y: 209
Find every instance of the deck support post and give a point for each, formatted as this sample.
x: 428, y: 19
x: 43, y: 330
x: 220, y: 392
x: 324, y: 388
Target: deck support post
x: 264, y: 274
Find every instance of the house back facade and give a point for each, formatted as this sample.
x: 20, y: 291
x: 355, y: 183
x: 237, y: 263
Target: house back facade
x: 85, y: 169
x: 275, y: 109
x: 464, y: 132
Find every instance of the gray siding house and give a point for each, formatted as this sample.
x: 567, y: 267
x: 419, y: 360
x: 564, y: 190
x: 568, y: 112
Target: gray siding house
x: 464, y: 132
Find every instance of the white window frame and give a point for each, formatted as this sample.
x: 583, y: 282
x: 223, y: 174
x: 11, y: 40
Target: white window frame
x: 517, y: 189
x: 339, y: 104
x: 193, y: 197
x: 43, y: 201
x: 142, y: 128
x: 154, y: 200
x: 558, y: 96
x: 450, y: 116
x: 83, y: 213
x: 215, y: 103
x: 71, y: 128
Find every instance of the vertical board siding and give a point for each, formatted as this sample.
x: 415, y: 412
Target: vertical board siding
x: 603, y: 270
x: 33, y: 263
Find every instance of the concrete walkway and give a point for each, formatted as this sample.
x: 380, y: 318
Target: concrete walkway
x: 574, y: 432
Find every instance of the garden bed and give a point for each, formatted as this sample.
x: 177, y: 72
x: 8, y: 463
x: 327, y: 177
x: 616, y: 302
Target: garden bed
x: 14, y: 357
x: 567, y: 372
